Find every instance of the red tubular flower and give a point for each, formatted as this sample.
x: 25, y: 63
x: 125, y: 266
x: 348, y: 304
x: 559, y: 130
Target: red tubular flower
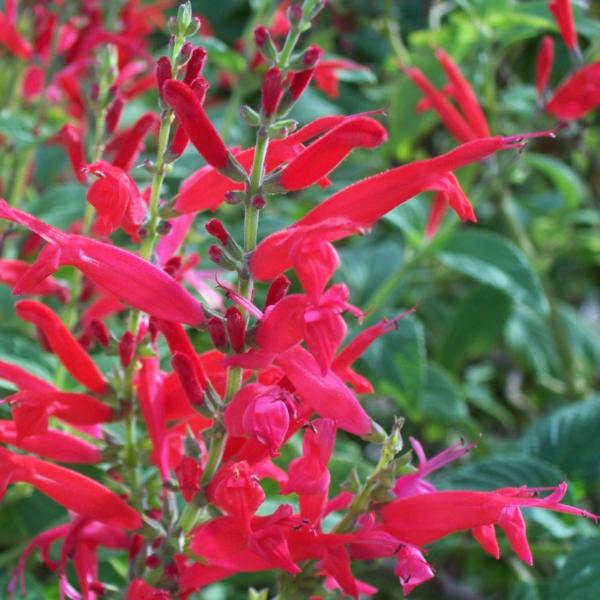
x: 62, y: 342
x: 236, y: 328
x: 53, y: 444
x: 11, y: 270
x: 68, y: 488
x: 126, y: 276
x: 70, y: 137
x: 464, y: 95
x: 452, y: 119
x: 183, y: 366
x: 578, y: 95
x: 164, y: 72
x: 326, y: 74
x: 277, y: 290
x: 140, y: 590
x: 193, y: 119
x: 326, y: 395
x: 114, y: 112
x: 543, y: 64
x: 115, y: 196
x: 195, y: 65
x: 12, y: 40
x: 31, y: 410
x: 412, y: 569
x: 425, y: 518
x: 24, y: 380
x: 130, y: 143
x: 364, y: 202
x: 563, y: 13
x: 325, y: 154
x: 272, y: 90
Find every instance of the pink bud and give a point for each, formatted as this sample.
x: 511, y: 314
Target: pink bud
x: 258, y: 201
x: 217, y: 332
x: 261, y: 34
x: 215, y: 254
x: 277, y: 290
x: 215, y: 228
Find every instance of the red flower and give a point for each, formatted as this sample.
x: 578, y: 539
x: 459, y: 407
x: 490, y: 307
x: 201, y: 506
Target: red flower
x: 193, y: 119
x: 11, y: 270
x: 577, y: 95
x: 115, y: 196
x: 272, y: 90
x: 11, y: 39
x: 425, y: 518
x: 327, y: 152
x: 326, y: 74
x: 68, y: 488
x: 125, y: 275
x: 128, y: 145
x: 563, y: 13
x: 62, y: 342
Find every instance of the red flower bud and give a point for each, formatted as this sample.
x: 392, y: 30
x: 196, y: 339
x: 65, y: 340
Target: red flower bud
x: 261, y: 34
x: 277, y: 290
x: 215, y: 254
x: 200, y: 86
x: 312, y: 56
x: 183, y: 366
x: 236, y: 328
x: 127, y: 348
x: 217, y: 332
x: 543, y: 64
x: 258, y: 201
x: 100, y: 332
x: 271, y: 91
x: 195, y: 65
x: 215, y: 228
x: 113, y: 114
x: 188, y: 473
x: 563, y: 13
x: 164, y: 72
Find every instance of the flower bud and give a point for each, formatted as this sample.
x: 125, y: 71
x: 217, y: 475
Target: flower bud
x: 221, y: 258
x: 100, y: 332
x: 258, y: 201
x: 265, y: 44
x: 163, y: 72
x: 217, y: 230
x: 127, y: 348
x: 277, y: 290
x: 183, y: 366
x: 272, y: 91
x: 236, y: 328
x: 217, y: 332
x: 294, y: 13
x: 195, y: 65
x: 188, y: 473
x: 249, y: 116
x: 233, y: 198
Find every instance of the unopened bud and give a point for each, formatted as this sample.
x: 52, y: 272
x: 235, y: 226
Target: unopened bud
x: 100, y: 332
x: 221, y: 258
x: 183, y: 366
x: 164, y: 227
x: 164, y: 72
x: 236, y: 328
x: 261, y: 34
x: 272, y: 91
x: 294, y: 14
x: 113, y: 114
x: 258, y: 201
x: 127, y: 348
x: 142, y: 233
x: 312, y: 56
x: 233, y: 198
x: 277, y: 290
x: 217, y: 230
x: 265, y: 44
x: 217, y: 332
x: 184, y: 18
x: 249, y: 116
x: 195, y: 65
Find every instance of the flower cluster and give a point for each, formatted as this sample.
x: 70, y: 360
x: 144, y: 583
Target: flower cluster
x: 191, y: 510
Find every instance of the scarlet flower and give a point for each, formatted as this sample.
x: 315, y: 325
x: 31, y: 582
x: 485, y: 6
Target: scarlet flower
x: 425, y: 518
x: 326, y: 74
x: 563, y: 13
x: 53, y: 444
x: 140, y: 590
x: 327, y: 152
x: 125, y: 275
x: 578, y: 95
x: 62, y: 342
x: 193, y: 119
x: 128, y: 145
x: 272, y: 90
x: 31, y: 409
x: 412, y: 569
x: 364, y: 202
x: 11, y: 270
x: 12, y: 40
x: 24, y: 380
x: 115, y: 196
x: 72, y: 490
x: 70, y: 137
x: 543, y: 64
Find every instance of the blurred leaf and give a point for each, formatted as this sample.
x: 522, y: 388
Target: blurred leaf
x: 222, y: 54
x: 561, y: 176
x: 61, y: 204
x: 529, y: 338
x: 525, y: 590
x: 477, y: 322
x: 578, y: 578
x: 568, y: 438
x: 503, y: 471
x: 442, y: 399
x: 18, y: 128
x: 399, y: 359
x: 493, y: 260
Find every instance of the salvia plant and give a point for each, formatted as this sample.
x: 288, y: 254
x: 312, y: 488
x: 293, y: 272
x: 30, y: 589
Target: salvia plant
x: 198, y: 398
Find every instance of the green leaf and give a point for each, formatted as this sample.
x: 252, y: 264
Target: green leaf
x: 494, y: 261
x: 477, y: 322
x: 398, y: 362
x: 495, y: 472
x: 568, y: 438
x: 564, y: 179
x: 442, y: 399
x: 578, y: 578
x: 222, y: 54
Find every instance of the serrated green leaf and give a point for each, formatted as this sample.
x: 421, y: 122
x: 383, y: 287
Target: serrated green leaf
x: 578, y: 578
x: 568, y: 438
x: 494, y: 261
x: 477, y: 322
